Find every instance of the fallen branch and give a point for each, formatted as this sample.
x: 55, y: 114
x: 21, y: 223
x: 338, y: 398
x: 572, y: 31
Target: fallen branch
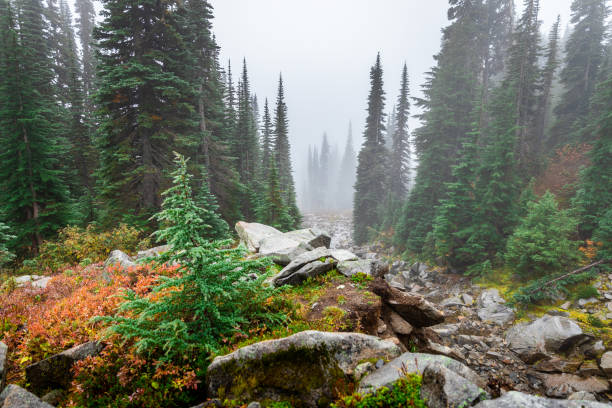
x: 584, y: 268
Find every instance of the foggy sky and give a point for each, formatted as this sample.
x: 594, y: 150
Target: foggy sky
x: 325, y: 49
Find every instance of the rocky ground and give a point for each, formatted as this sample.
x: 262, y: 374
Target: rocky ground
x: 549, y: 355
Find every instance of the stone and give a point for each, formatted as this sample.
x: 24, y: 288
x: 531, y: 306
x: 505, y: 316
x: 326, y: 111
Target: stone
x: 414, y: 363
x: 3, y: 361
x: 609, y: 306
x: 282, y: 249
x: 310, y: 270
x: 584, y: 302
x: 37, y: 281
x: 53, y: 397
x: 14, y: 396
x: 532, y: 340
x: 397, y: 282
x: 443, y: 388
x: 363, y: 369
x: 311, y: 236
x: 152, y: 252
x: 582, y: 396
x: 399, y: 325
x: 554, y: 312
x: 557, y: 365
x: 251, y: 234
x: 467, y: 299
x: 120, y: 258
x: 254, y: 405
x: 54, y: 372
x: 342, y: 255
x: 410, y: 306
x: 606, y: 363
x: 452, y: 301
x: 588, y: 369
x: 302, y: 260
x: 562, y: 385
x: 305, y: 366
x: 491, y: 308
x: 566, y: 305
x: 446, y: 330
x: 350, y: 268
x: 515, y: 399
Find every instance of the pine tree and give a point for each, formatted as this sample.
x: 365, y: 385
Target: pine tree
x: 267, y: 142
x: 145, y: 104
x: 86, y: 18
x: 399, y: 157
x: 346, y: 179
x: 324, y: 170
x: 33, y: 187
x: 282, y: 152
x: 584, y: 54
x: 5, y: 255
x: 273, y: 210
x: 371, y: 182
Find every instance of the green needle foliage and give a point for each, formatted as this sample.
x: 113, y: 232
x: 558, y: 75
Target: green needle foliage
x: 5, y: 237
x: 211, y: 297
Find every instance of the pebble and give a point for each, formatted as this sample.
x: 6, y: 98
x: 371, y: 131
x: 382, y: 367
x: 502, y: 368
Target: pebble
x: 379, y: 364
x: 340, y: 287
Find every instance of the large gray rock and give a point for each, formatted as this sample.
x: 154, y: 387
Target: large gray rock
x: 303, y: 367
x: 54, y: 372
x: 311, y: 236
x: 491, y: 308
x: 37, y: 281
x: 533, y: 340
x: 606, y: 363
x: 410, y: 306
x: 251, y: 234
x: 563, y: 385
x: 342, y: 255
x: 414, y: 363
x: 318, y: 254
x: 350, y: 268
x: 515, y: 399
x: 282, y: 249
x: 443, y: 388
x: 121, y: 258
x: 3, y: 356
x: 14, y: 396
x: 311, y: 270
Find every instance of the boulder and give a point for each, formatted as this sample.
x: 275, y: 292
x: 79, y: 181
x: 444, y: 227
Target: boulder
x: 3, y: 357
x: 307, y: 271
x: 532, y: 341
x: 491, y: 308
x: 304, y: 368
x: 350, y: 268
x: 443, y: 388
x: 582, y: 396
x: 251, y: 234
x: 562, y: 385
x: 282, y: 249
x: 468, y: 300
x: 121, y: 258
x: 515, y: 399
x: 152, y: 252
x: 14, y: 396
x: 318, y: 254
x: 410, y: 306
x: 342, y: 255
x: 37, y: 281
x: 399, y: 325
x: 311, y: 236
x: 414, y: 363
x: 606, y: 363
x: 54, y: 372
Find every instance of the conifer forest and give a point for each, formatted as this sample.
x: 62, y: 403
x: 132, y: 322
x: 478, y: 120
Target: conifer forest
x: 396, y: 204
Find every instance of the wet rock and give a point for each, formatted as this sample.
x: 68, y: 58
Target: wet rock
x: 319, y: 254
x: 311, y: 236
x: 304, y: 366
x: 54, y: 372
x: 606, y: 363
x: 399, y: 325
x: 342, y: 255
x: 350, y: 268
x: 593, y: 349
x: 251, y: 234
x: 14, y: 396
x: 3, y: 357
x: 414, y: 363
x: 562, y: 385
x: 152, y: 252
x: 281, y: 249
x: 491, y: 308
x: 515, y: 399
x: 588, y: 369
x: 310, y: 270
x: 121, y: 258
x: 532, y: 340
x: 411, y: 307
x: 443, y: 388
x: 446, y: 330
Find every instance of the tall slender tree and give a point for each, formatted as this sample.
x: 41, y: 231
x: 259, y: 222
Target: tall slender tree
x: 346, y: 178
x: 371, y: 182
x: 268, y: 141
x: 86, y: 19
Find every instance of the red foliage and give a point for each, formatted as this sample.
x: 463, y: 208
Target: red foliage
x: 562, y: 173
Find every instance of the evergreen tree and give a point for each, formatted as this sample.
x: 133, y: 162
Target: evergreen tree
x: 273, y: 210
x: 584, y: 53
x: 391, y: 124
x: 371, y: 182
x: 267, y: 142
x: 324, y: 170
x: 33, y: 186
x: 346, y: 178
x: 86, y: 19
x: 400, y: 155
x: 5, y: 255
x: 282, y: 152
x: 145, y: 104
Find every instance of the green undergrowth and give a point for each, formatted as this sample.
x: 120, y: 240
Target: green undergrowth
x: 405, y: 393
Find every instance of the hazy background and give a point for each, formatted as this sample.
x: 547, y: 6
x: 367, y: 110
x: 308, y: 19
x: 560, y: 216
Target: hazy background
x: 325, y: 48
